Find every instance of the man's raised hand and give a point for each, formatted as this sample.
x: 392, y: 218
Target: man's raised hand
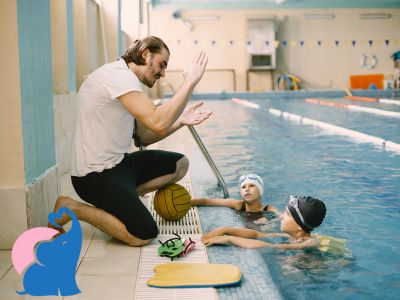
x: 195, y: 70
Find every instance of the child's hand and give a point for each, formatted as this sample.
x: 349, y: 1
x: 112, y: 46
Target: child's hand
x: 215, y: 240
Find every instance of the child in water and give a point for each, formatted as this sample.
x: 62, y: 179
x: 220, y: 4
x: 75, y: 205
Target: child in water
x: 302, y: 215
x: 251, y: 190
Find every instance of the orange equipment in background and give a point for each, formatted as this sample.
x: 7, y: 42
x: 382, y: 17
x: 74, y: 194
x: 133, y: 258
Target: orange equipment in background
x: 359, y: 98
x: 366, y: 81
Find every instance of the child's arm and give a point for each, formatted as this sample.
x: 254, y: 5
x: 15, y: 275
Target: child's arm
x: 229, y: 202
x: 251, y: 243
x: 312, y: 243
x: 238, y: 232
x: 252, y: 234
x: 241, y: 232
x: 237, y: 241
x: 275, y: 235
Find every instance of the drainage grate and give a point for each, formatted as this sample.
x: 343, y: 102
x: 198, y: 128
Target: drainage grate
x: 187, y: 226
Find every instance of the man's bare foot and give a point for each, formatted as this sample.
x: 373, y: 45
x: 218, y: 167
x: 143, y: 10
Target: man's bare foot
x: 63, y: 201
x: 59, y: 229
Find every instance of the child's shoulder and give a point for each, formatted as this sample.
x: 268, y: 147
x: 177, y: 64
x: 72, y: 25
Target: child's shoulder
x: 233, y: 203
x: 240, y: 205
x: 270, y: 208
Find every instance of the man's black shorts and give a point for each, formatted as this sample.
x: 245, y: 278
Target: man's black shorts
x: 114, y: 190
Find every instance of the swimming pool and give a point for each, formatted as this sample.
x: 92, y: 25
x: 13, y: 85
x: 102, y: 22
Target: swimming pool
x: 359, y: 182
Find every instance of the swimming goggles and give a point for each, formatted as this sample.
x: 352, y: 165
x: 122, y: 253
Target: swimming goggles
x: 294, y: 202
x: 252, y: 177
x: 175, y: 247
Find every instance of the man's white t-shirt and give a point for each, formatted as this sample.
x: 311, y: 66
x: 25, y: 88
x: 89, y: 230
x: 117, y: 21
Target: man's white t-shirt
x: 103, y: 128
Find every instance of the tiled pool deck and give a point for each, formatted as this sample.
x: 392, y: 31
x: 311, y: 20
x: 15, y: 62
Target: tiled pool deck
x: 107, y: 268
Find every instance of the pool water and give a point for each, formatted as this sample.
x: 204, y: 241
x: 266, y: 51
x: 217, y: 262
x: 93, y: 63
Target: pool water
x: 359, y: 182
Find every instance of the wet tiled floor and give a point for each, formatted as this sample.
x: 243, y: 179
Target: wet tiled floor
x: 104, y: 262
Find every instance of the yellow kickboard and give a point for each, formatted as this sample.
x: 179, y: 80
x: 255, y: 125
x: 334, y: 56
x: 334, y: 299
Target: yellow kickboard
x: 194, y: 275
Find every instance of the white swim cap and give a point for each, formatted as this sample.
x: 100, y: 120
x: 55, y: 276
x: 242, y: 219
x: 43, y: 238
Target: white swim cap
x: 254, y: 179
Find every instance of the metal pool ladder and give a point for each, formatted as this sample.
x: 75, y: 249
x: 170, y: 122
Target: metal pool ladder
x: 203, y: 149
x: 221, y: 182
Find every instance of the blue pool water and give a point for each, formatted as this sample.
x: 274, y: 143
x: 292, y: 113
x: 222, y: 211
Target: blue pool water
x: 360, y: 184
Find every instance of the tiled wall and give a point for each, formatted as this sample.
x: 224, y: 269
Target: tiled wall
x: 36, y: 86
x: 12, y: 215
x: 64, y: 113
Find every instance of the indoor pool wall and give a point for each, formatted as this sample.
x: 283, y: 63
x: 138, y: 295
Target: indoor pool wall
x: 395, y: 93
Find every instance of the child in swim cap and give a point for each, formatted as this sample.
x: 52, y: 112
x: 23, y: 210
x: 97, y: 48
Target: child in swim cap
x: 302, y: 215
x: 251, y: 189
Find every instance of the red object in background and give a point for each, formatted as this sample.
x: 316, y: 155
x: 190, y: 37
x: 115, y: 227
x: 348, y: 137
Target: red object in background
x: 365, y: 81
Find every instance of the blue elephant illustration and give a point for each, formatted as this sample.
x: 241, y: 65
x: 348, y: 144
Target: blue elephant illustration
x: 53, y: 273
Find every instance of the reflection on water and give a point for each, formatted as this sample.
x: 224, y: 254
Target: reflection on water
x: 260, y: 221
x: 314, y: 266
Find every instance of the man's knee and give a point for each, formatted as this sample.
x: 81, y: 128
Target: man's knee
x: 182, y: 167
x: 138, y: 242
x: 146, y: 233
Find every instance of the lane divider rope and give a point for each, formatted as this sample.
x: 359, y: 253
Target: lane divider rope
x: 369, y: 99
x: 355, y: 135
x: 245, y: 103
x: 370, y: 110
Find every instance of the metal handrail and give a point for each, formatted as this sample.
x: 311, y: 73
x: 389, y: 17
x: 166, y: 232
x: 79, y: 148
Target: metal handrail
x: 203, y: 149
x: 221, y: 182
